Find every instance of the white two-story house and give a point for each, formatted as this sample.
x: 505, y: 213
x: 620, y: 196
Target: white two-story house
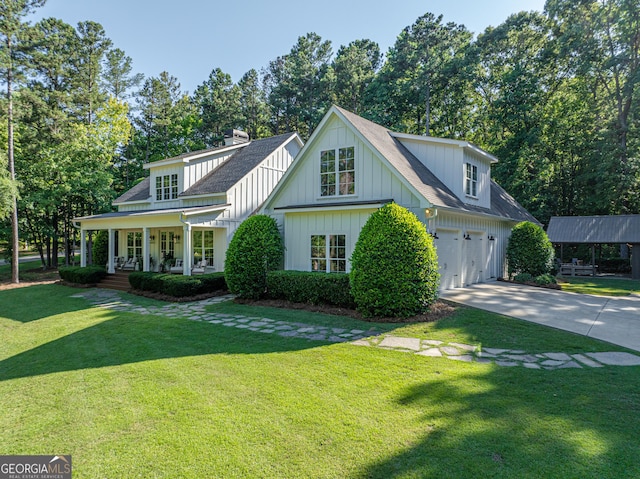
x: 189, y: 206
x: 351, y: 166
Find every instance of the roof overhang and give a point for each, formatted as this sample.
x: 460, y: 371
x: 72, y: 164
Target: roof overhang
x: 594, y: 229
x: 335, y: 206
x: 196, y: 155
x: 465, y: 145
x: 146, y: 218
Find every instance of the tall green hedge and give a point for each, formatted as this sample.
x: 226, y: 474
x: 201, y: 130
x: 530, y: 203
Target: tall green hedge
x: 529, y: 250
x: 80, y: 275
x: 100, y: 252
x: 255, y: 249
x: 394, y: 267
x: 310, y: 287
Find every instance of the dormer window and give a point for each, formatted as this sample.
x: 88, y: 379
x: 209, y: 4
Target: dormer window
x: 166, y: 187
x: 471, y: 180
x: 337, y: 172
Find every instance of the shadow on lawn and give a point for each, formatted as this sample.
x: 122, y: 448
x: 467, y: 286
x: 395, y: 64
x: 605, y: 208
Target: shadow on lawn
x: 125, y: 338
x: 32, y: 303
x: 521, y: 423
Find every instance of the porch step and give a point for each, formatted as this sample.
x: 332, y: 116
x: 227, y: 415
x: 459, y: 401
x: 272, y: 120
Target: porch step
x: 118, y: 281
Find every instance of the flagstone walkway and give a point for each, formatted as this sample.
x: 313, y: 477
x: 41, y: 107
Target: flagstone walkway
x: 196, y: 311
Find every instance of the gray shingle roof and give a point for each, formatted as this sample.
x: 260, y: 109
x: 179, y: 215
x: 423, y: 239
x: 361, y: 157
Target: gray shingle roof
x: 140, y: 192
x: 237, y: 166
x: 423, y: 179
x: 594, y: 229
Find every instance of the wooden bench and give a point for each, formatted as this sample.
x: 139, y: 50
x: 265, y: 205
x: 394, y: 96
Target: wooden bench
x: 570, y: 269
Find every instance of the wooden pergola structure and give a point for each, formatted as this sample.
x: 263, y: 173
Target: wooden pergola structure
x: 593, y: 230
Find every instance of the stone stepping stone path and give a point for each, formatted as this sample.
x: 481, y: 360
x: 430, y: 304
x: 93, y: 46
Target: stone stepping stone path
x: 196, y: 311
x: 500, y: 357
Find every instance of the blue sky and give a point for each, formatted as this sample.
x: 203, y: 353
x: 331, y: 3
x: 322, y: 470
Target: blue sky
x: 189, y: 38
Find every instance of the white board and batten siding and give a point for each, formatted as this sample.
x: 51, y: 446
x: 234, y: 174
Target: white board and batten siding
x: 299, y: 227
x: 373, y: 179
x: 195, y: 170
x: 447, y: 160
x: 250, y: 192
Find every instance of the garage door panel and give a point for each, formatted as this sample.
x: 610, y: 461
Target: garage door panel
x: 448, y: 248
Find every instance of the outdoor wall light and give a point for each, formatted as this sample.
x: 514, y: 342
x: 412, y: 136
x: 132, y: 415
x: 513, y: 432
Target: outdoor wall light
x: 434, y: 235
x: 492, y: 238
x: 152, y: 237
x: 467, y: 237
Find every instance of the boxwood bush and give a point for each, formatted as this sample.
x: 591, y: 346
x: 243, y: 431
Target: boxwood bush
x: 80, y: 275
x: 394, y: 267
x: 100, y: 251
x: 529, y: 250
x: 255, y: 249
x: 177, y: 286
x: 308, y: 287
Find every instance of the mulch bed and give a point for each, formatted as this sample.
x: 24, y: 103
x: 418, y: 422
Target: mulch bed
x: 438, y: 310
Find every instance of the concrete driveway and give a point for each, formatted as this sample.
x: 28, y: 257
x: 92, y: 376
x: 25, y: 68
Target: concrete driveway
x: 612, y: 319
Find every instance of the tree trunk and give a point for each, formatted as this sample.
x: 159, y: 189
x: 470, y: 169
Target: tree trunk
x: 15, y: 245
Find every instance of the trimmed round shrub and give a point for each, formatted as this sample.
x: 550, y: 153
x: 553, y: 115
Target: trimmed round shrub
x: 394, y: 267
x: 545, y: 279
x: 100, y: 251
x: 255, y: 249
x: 529, y: 250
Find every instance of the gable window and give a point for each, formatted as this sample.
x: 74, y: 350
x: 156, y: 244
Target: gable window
x: 328, y: 253
x: 471, y: 180
x: 337, y: 172
x: 167, y: 187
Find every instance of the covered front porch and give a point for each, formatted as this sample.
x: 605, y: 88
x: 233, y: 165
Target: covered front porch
x: 184, y: 241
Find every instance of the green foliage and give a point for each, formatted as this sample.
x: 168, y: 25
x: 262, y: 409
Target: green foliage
x: 100, y: 252
x: 615, y: 265
x: 310, y: 287
x: 255, y: 249
x: 80, y: 275
x: 177, y: 285
x: 529, y: 250
x: 545, y: 279
x: 394, y: 267
x: 523, y: 278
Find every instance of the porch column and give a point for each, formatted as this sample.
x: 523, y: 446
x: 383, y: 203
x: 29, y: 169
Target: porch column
x: 111, y: 268
x: 145, y: 249
x: 186, y: 250
x: 83, y: 248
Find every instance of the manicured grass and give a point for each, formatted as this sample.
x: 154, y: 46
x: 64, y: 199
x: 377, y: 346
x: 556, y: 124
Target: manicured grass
x: 130, y: 395
x: 600, y: 286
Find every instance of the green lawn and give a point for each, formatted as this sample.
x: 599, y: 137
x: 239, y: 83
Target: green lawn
x: 600, y: 286
x: 130, y: 395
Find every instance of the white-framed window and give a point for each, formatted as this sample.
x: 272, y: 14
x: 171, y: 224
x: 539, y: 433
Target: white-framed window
x: 471, y: 180
x: 167, y: 244
x: 337, y: 172
x: 329, y: 253
x: 167, y: 187
x: 134, y: 245
x: 203, y: 246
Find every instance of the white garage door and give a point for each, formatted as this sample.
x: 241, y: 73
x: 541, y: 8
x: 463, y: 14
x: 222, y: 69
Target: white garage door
x: 474, y: 259
x: 448, y: 248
